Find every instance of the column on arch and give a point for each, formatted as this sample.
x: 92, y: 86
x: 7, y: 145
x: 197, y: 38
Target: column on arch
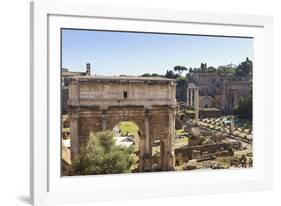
x: 74, y: 104
x: 146, y: 144
x: 172, y: 134
x: 103, y: 119
x: 166, y: 146
x: 74, y: 147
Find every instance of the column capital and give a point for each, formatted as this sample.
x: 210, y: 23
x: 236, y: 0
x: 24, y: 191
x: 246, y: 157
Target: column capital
x: 103, y: 113
x: 147, y: 112
x: 74, y: 115
x: 73, y: 109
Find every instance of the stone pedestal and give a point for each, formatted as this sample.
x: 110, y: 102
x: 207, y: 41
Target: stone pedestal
x: 195, y: 131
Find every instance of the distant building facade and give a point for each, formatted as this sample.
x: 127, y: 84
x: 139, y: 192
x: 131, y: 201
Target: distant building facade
x: 66, y: 75
x: 206, y: 102
x: 221, y: 91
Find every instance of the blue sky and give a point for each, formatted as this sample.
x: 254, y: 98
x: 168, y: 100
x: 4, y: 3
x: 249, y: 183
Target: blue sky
x: 115, y: 53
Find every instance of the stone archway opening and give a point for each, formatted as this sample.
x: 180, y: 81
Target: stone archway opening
x: 127, y: 134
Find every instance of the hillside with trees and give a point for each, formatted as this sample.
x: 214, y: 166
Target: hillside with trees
x: 243, y: 70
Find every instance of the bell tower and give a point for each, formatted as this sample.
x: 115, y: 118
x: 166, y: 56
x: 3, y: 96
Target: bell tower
x: 88, y: 69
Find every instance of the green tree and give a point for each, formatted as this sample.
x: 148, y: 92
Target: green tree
x: 203, y: 67
x: 102, y: 156
x: 245, y: 68
x: 226, y: 70
x: 155, y: 75
x: 171, y: 75
x: 146, y: 75
x: 181, y: 81
x: 151, y: 75
x: 180, y: 69
x: 244, y: 108
x: 211, y: 69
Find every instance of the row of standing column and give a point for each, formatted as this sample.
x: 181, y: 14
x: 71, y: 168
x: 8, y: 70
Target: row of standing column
x: 196, y: 103
x: 190, y: 96
x: 192, y: 99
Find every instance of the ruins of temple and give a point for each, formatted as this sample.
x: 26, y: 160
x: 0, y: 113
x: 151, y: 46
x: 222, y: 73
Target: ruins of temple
x: 218, y: 91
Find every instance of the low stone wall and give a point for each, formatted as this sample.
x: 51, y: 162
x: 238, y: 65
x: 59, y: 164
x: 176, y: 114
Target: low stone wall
x: 192, y: 152
x: 204, y: 113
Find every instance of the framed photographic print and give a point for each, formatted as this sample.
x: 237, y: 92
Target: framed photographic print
x: 144, y: 103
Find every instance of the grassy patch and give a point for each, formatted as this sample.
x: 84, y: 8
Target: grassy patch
x: 184, y: 140
x: 179, y: 131
x: 179, y: 168
x: 181, y: 142
x: 65, y: 129
x: 128, y: 128
x: 188, y: 111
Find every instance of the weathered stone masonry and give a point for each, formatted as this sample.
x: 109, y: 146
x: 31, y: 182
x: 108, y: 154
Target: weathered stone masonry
x: 100, y: 103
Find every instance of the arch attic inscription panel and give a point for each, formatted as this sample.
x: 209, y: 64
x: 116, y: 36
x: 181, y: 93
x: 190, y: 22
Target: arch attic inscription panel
x: 100, y: 103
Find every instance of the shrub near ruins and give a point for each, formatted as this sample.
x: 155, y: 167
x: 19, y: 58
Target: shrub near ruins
x: 102, y: 156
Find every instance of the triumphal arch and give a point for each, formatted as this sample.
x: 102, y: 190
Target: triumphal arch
x: 100, y: 103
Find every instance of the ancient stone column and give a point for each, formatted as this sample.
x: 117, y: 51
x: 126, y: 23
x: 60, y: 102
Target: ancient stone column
x: 170, y: 91
x: 163, y: 154
x: 196, y: 104
x: 146, y: 126
x: 74, y: 93
x: 103, y: 121
x: 187, y: 96
x: 173, y: 92
x: 169, y: 151
x: 142, y: 152
x: 191, y: 97
x: 146, y: 145
x: 196, y: 129
x: 74, y: 140
x: 232, y: 125
x: 73, y: 103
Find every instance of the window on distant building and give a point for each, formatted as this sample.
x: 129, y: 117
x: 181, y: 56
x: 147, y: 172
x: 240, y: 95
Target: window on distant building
x: 125, y: 94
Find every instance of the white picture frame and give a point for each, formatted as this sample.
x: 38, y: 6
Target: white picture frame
x: 47, y: 186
